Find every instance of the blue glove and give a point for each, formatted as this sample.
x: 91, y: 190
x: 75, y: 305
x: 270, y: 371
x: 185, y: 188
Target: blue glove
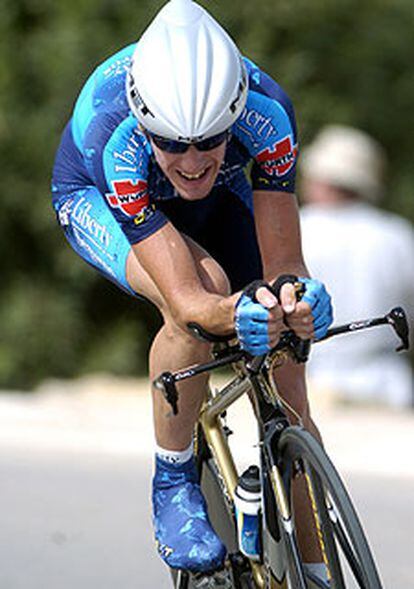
x: 251, y: 324
x: 320, y: 302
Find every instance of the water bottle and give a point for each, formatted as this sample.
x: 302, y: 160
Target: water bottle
x: 247, y: 502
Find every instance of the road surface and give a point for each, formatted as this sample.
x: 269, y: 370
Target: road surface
x: 75, y: 467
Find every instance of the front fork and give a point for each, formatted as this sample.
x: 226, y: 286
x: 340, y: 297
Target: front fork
x: 277, y: 517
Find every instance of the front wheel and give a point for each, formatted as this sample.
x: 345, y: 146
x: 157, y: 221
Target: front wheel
x: 342, y: 540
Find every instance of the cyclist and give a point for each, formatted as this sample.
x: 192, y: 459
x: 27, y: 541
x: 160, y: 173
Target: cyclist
x: 149, y: 186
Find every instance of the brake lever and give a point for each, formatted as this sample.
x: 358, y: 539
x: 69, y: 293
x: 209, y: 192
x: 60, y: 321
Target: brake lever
x: 166, y: 384
x: 397, y: 318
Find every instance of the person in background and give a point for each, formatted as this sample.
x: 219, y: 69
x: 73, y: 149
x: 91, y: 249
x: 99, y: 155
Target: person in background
x: 365, y: 257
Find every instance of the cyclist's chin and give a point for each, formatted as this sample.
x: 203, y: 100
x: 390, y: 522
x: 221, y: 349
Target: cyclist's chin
x: 195, y: 189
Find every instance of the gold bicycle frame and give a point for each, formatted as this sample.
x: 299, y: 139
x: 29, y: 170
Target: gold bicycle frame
x: 216, y: 438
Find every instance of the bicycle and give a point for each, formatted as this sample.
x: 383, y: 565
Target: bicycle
x: 286, y: 452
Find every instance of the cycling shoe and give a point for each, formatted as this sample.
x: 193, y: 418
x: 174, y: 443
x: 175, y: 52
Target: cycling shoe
x: 185, y: 538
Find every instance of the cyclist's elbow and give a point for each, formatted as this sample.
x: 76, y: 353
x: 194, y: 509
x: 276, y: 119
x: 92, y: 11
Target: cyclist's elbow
x: 205, y: 305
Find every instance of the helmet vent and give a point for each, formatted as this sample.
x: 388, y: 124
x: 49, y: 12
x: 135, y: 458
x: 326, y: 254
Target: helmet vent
x: 241, y: 88
x: 136, y: 98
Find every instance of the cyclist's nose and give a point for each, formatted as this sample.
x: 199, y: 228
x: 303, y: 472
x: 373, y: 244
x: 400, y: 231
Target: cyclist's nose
x: 193, y: 158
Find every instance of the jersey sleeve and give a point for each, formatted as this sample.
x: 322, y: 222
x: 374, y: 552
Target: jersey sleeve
x: 126, y: 165
x: 115, y: 153
x: 267, y: 127
x: 117, y: 156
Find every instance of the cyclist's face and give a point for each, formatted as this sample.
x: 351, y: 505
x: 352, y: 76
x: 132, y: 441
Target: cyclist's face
x: 192, y: 173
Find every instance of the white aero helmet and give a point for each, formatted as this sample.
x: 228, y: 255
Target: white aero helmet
x: 187, y: 80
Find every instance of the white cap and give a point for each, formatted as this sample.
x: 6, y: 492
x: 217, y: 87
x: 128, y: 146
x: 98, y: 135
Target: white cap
x: 187, y: 80
x: 347, y: 158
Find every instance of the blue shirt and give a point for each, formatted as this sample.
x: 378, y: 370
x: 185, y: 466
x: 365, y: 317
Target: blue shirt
x: 103, y: 146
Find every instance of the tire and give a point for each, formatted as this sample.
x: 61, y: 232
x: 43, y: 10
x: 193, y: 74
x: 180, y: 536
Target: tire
x: 342, y: 538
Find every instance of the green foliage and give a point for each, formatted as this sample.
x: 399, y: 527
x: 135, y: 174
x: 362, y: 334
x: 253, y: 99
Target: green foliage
x: 342, y: 61
x: 346, y: 62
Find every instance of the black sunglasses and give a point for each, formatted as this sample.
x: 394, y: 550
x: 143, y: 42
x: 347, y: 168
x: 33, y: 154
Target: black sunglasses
x: 172, y: 146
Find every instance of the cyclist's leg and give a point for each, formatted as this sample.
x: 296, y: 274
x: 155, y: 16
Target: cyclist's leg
x: 185, y: 538
x: 173, y: 348
x: 179, y: 506
x: 225, y: 228
x: 94, y: 234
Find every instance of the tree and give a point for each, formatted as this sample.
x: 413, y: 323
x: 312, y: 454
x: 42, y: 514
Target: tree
x: 343, y: 62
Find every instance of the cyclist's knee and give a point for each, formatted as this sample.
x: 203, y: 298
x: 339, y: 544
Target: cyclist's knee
x: 214, y: 280
x: 212, y: 277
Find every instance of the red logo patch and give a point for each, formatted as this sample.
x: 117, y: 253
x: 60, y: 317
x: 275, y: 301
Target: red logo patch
x: 280, y: 159
x: 128, y: 196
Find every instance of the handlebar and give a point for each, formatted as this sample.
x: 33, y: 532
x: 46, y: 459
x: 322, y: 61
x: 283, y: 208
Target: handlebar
x: 396, y: 318
x: 289, y: 342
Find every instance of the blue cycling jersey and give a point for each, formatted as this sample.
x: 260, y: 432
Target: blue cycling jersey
x: 104, y: 147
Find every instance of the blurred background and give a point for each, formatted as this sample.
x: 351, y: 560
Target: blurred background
x: 341, y: 62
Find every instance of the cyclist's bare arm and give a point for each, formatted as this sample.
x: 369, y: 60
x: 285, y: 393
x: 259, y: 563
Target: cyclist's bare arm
x: 167, y: 259
x: 281, y: 250
x: 278, y: 232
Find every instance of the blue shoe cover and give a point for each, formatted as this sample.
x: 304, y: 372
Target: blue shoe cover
x: 185, y: 538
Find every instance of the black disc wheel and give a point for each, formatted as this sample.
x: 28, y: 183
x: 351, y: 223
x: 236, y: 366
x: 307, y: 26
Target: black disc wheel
x: 342, y: 540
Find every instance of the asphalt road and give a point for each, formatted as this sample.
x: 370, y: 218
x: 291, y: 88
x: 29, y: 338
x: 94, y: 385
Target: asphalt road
x: 76, y: 521
x: 75, y: 469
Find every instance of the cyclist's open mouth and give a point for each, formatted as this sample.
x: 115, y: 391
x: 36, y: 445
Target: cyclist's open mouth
x: 196, y: 184
x: 194, y: 177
